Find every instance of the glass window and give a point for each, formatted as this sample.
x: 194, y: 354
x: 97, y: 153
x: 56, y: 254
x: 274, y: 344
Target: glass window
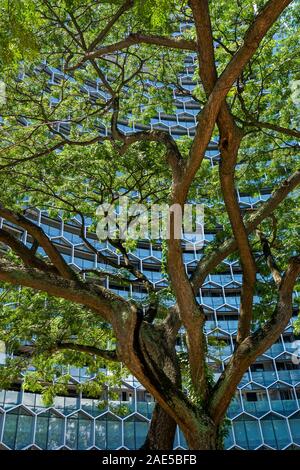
x: 2, y: 394
x: 228, y: 441
x: 182, y: 440
x: 49, y: 431
x: 145, y: 408
x: 135, y: 432
x: 92, y: 406
x: 18, y: 429
x: 295, y: 428
x: 247, y: 433
x: 9, y: 434
x: 29, y: 399
x: 275, y: 432
x: 79, y: 432
x: 108, y: 432
x: 66, y: 404
x: 11, y: 398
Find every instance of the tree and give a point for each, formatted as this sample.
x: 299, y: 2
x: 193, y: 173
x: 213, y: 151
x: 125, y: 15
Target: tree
x: 63, y: 161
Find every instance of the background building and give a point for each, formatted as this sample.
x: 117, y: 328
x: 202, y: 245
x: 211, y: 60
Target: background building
x: 266, y: 410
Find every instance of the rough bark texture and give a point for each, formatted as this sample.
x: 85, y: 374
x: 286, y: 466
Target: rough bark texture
x: 207, y: 436
x: 161, y: 432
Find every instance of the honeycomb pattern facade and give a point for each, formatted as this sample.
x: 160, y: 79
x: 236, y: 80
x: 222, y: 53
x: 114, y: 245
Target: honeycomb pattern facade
x: 266, y: 410
x: 76, y: 422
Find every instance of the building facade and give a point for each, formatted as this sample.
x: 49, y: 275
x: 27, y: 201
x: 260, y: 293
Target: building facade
x: 266, y: 410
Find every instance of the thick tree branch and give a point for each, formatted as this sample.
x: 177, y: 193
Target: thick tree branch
x: 207, y: 264
x: 255, y: 344
x: 227, y: 169
x: 191, y: 317
x: 95, y: 297
x: 230, y: 138
x: 190, y: 314
x: 208, y: 116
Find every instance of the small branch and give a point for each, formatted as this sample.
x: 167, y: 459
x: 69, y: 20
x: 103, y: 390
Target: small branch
x: 266, y: 247
x: 39, y: 235
x: 209, y: 263
x: 136, y: 39
x: 273, y: 127
x: 97, y: 298
x: 174, y: 157
x: 24, y: 253
x: 123, y: 8
x: 255, y: 344
x: 108, y: 355
x: 208, y: 116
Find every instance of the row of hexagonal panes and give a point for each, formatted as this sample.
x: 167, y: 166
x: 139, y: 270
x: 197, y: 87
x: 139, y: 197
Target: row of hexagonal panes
x: 272, y: 430
x: 48, y: 430
x: 252, y: 398
x: 221, y: 344
x: 258, y: 401
x: 69, y: 236
x: 20, y: 428
x: 128, y: 403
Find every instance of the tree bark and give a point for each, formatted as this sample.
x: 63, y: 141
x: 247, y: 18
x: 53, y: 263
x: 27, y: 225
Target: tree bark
x: 161, y: 432
x: 157, y: 364
x: 206, y: 437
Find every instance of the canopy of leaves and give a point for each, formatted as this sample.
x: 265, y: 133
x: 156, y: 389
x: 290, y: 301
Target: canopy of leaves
x: 56, y: 152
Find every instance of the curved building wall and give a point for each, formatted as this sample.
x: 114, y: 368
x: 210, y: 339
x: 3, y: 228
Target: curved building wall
x: 266, y: 410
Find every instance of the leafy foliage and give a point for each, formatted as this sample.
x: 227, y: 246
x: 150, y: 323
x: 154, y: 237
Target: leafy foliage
x: 63, y: 160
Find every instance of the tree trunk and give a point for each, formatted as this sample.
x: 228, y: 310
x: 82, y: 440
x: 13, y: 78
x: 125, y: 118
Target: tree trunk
x: 161, y: 432
x: 154, y: 363
x: 160, y: 352
x: 206, y: 437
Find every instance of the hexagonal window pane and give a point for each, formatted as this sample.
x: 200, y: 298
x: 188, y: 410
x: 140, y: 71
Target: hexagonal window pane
x: 275, y: 431
x: 67, y: 404
x: 135, y: 432
x: 49, y: 430
x: 295, y: 428
x: 255, y: 400
x: 94, y: 406
x: 108, y: 432
x: 235, y: 407
x: 228, y: 441
x: 247, y: 432
x: 12, y: 398
x: 18, y: 429
x: 283, y: 399
x: 79, y: 432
